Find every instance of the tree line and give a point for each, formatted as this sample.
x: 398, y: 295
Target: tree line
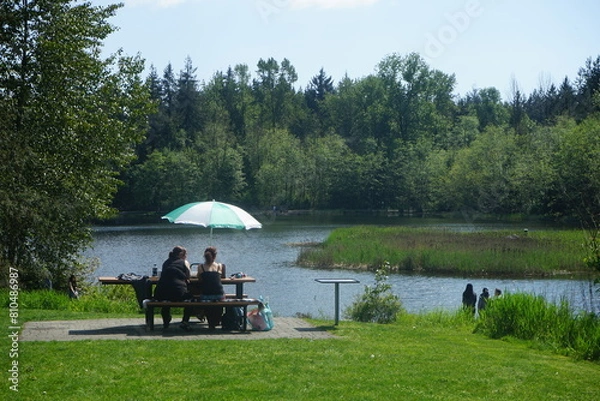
x: 396, y: 139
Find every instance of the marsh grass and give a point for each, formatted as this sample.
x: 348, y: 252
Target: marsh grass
x: 429, y: 250
x: 547, y: 325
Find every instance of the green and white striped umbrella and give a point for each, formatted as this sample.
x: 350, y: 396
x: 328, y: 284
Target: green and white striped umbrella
x: 214, y: 215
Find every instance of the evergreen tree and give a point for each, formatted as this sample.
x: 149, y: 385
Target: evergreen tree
x: 169, y: 90
x: 588, y: 87
x: 152, y: 140
x: 319, y: 86
x: 518, y: 115
x: 566, y: 101
x: 263, y: 88
x: 187, y: 104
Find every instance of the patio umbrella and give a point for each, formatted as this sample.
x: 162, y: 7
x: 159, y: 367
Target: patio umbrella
x: 214, y: 215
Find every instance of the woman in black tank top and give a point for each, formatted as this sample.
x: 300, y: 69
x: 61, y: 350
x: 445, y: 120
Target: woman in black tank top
x: 210, y: 274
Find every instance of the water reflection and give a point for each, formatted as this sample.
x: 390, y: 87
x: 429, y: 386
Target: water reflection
x: 269, y: 255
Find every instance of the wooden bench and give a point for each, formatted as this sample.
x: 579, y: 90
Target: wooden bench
x: 149, y: 306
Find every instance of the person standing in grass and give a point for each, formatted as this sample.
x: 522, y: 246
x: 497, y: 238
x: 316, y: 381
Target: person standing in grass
x: 172, y: 285
x: 469, y: 298
x: 485, y: 294
x: 73, y: 290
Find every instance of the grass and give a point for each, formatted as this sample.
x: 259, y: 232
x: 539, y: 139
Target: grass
x: 97, y: 300
x: 433, y: 356
x: 555, y: 327
x: 413, y: 359
x: 437, y: 251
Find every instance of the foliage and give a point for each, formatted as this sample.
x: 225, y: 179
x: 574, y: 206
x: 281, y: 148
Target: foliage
x: 530, y: 317
x: 165, y: 176
x: 377, y: 304
x: 419, y: 98
x: 480, y: 176
x: 401, y: 140
x: 592, y: 251
x: 280, y: 168
x: 93, y: 299
x: 577, y: 160
x: 69, y: 124
x: 538, y: 253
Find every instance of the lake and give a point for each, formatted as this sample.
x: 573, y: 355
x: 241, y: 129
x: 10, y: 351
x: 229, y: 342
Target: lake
x: 269, y: 254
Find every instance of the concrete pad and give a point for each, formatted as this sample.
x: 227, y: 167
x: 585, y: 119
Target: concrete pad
x: 130, y: 329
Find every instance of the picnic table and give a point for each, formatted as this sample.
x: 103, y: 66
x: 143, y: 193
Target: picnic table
x: 144, y: 294
x: 153, y: 280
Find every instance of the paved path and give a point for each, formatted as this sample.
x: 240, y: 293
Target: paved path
x: 129, y: 329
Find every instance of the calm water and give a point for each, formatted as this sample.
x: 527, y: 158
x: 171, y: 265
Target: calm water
x: 269, y: 255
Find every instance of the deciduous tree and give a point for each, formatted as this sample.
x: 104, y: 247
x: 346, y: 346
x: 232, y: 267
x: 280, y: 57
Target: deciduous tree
x: 70, y: 122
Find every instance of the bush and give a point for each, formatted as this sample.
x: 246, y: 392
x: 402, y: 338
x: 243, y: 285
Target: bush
x: 377, y: 304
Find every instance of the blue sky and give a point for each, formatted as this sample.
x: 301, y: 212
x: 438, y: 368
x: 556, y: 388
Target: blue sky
x: 483, y: 42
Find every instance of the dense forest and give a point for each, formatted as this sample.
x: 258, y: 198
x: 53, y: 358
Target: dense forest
x: 397, y: 139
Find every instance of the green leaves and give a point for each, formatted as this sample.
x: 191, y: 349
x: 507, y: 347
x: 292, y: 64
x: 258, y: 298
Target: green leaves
x: 72, y: 120
x: 377, y: 304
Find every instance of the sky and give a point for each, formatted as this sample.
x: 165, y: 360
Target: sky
x: 527, y: 44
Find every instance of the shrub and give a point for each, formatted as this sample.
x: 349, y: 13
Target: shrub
x: 377, y: 304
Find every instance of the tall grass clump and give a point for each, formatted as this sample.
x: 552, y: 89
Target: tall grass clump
x: 441, y: 319
x: 533, y: 318
x: 44, y: 299
x: 377, y: 304
x: 113, y: 299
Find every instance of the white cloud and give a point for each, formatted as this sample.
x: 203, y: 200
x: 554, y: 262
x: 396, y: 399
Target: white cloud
x: 330, y: 3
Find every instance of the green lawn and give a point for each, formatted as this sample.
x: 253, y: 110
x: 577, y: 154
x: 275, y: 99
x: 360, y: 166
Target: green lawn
x: 417, y: 358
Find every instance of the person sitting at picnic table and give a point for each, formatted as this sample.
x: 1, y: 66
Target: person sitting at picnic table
x: 172, y: 285
x: 210, y: 273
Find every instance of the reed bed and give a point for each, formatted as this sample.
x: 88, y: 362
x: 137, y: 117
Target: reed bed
x: 547, y: 325
x: 441, y: 251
